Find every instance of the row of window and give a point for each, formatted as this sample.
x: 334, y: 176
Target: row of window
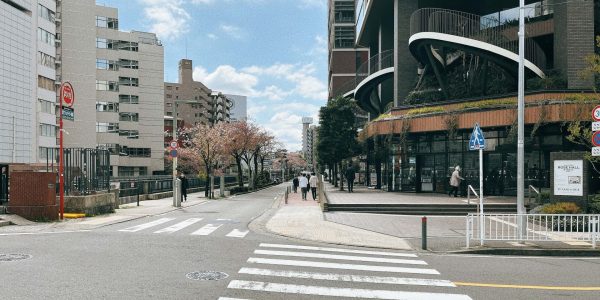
x: 103, y: 106
x: 102, y: 43
x: 130, y: 171
x: 46, y: 37
x: 129, y: 117
x: 129, y: 99
x: 112, y: 86
x: 47, y: 106
x: 116, y: 149
x: 47, y: 130
x: 46, y: 13
x: 113, y: 65
x: 46, y: 60
x: 102, y: 127
x: 107, y: 22
x: 344, y: 36
x: 46, y: 83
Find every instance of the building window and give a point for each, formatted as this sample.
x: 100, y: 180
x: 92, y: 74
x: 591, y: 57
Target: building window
x: 169, y: 96
x: 113, y: 149
x: 46, y: 83
x: 107, y: 106
x: 344, y: 11
x: 126, y: 171
x: 129, y: 81
x: 344, y: 37
x: 45, y: 36
x: 104, y: 85
x: 169, y: 87
x: 169, y: 114
x: 46, y: 106
x: 128, y: 117
x: 130, y: 134
x: 128, y: 46
x: 46, y: 60
x: 46, y: 13
x: 47, y: 130
x: 50, y: 154
x: 143, y: 171
x: 105, y: 64
x: 106, y: 22
x: 102, y: 43
x: 129, y: 64
x: 129, y: 99
x: 107, y: 127
x: 135, y: 152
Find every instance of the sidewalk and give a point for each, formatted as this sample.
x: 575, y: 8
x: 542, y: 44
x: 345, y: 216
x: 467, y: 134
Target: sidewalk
x: 125, y: 212
x: 304, y: 220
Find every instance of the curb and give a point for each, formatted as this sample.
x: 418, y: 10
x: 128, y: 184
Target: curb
x: 531, y: 252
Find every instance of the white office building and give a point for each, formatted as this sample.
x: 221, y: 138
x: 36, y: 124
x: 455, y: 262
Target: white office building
x: 239, y: 108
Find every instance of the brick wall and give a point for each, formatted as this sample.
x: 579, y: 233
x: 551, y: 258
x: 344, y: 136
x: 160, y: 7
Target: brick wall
x: 33, y: 195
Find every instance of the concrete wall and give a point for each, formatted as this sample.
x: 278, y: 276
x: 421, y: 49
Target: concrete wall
x: 92, y: 204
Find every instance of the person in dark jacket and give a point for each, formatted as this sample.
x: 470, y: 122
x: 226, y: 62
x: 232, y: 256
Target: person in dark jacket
x: 184, y: 186
x: 295, y: 182
x: 350, y: 178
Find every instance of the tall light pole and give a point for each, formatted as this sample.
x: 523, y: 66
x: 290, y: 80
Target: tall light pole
x: 521, y: 121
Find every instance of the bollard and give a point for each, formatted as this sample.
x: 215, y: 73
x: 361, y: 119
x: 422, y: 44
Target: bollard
x: 137, y: 184
x: 424, y: 233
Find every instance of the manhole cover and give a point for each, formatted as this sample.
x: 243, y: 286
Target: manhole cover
x: 13, y: 257
x: 207, y: 275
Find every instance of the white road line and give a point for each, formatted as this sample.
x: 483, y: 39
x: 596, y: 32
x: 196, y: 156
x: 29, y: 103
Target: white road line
x: 341, y: 257
x: 337, y: 250
x: 576, y: 243
x: 179, y: 226
x: 340, y: 292
x: 237, y: 233
x: 147, y: 225
x: 346, y: 277
x: 227, y: 298
x: 207, y: 229
x: 317, y: 264
x: 43, y: 232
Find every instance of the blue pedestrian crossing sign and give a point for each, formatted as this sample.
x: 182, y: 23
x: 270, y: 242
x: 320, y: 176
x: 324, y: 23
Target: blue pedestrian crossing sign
x: 477, y: 140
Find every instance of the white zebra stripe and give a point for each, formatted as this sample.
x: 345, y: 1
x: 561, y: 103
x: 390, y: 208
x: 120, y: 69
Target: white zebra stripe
x: 316, y: 264
x: 340, y: 292
x: 237, y: 233
x: 147, y: 225
x: 207, y: 229
x: 336, y: 250
x: 347, y: 278
x: 341, y: 257
x: 179, y: 226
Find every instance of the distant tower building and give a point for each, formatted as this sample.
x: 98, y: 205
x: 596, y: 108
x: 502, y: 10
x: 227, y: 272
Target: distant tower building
x: 306, y: 121
x: 312, y: 135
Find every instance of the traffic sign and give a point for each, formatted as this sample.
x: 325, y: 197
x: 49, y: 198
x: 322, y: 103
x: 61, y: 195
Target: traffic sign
x: 68, y: 113
x: 173, y: 153
x: 173, y: 145
x: 67, y: 94
x: 596, y: 113
x: 595, y: 126
x: 595, y: 151
x: 477, y: 140
x: 596, y: 138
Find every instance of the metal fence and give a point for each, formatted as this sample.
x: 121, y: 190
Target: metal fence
x: 86, y: 171
x: 535, y: 227
x: 160, y: 184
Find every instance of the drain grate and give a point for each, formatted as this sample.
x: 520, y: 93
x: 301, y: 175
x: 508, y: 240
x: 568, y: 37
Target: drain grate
x: 13, y: 257
x: 207, y: 275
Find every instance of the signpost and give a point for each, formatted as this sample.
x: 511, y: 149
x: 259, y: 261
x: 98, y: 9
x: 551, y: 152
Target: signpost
x: 67, y: 98
x: 596, y: 113
x: 477, y: 142
x: 596, y: 130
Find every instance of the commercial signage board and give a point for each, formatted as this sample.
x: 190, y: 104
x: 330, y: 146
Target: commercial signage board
x: 568, y: 177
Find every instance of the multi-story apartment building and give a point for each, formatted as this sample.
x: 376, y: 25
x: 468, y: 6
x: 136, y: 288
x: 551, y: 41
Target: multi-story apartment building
x: 193, y: 102
x: 438, y: 67
x: 306, y: 137
x: 118, y: 81
x: 311, y: 147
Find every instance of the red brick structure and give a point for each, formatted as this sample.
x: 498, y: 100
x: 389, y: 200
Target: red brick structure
x: 33, y: 195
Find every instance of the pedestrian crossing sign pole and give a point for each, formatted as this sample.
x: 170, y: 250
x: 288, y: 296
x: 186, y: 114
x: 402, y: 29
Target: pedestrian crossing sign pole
x: 477, y: 142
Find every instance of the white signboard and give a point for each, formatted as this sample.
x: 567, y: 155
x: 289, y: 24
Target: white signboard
x: 595, y: 126
x: 568, y: 177
x: 595, y: 151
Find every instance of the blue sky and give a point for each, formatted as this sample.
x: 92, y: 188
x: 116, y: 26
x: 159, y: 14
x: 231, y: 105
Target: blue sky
x: 273, y: 51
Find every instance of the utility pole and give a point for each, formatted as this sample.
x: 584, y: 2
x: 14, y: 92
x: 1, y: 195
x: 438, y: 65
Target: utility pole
x: 521, y: 121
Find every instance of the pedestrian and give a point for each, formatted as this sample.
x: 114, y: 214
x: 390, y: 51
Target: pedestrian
x: 350, y: 178
x: 295, y: 183
x: 303, y: 186
x: 184, y: 186
x: 313, y: 186
x: 455, y: 182
x: 308, y: 178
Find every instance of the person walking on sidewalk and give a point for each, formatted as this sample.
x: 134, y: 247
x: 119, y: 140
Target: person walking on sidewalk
x: 184, y: 186
x: 350, y: 178
x: 295, y: 183
x: 455, y: 182
x: 303, y: 186
x: 313, y: 186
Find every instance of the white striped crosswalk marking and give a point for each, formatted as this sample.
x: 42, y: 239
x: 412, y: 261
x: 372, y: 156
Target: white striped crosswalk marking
x: 227, y: 298
x: 265, y: 245
x: 347, y: 278
x: 340, y: 292
x: 316, y: 264
x: 207, y: 229
x: 147, y: 225
x: 237, y: 233
x: 341, y: 257
x: 179, y: 226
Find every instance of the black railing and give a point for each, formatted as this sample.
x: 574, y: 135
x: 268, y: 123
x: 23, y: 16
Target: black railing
x: 86, y: 171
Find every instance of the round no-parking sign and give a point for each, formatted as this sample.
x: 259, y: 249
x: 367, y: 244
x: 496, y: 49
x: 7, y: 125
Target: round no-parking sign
x: 596, y: 138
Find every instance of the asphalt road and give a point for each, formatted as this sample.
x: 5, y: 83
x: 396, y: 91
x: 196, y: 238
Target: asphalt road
x: 157, y: 257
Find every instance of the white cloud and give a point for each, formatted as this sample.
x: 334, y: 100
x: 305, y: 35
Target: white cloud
x: 320, y: 47
x: 273, y: 92
x: 212, y: 36
x: 232, y: 31
x: 306, y: 84
x: 168, y: 18
x: 227, y: 79
x: 313, y: 3
x: 253, y: 111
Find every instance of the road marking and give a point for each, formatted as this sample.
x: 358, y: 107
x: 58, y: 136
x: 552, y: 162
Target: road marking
x: 227, y: 298
x: 340, y: 292
x: 179, y: 226
x: 337, y: 250
x: 44, y: 232
x: 534, y: 287
x: 575, y: 243
x: 237, y: 233
x: 147, y: 225
x: 341, y: 257
x: 207, y: 229
x: 348, y: 278
x: 316, y: 264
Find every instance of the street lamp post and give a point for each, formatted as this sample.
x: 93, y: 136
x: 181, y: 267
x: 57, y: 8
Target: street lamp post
x: 521, y: 121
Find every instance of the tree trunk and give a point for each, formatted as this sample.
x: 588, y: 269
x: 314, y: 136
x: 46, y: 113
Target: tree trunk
x: 262, y: 164
x: 335, y: 175
x: 255, y: 171
x: 341, y: 177
x: 330, y: 177
x: 238, y: 161
x: 207, y: 181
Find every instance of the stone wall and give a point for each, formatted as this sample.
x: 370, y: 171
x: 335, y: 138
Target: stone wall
x: 91, y: 204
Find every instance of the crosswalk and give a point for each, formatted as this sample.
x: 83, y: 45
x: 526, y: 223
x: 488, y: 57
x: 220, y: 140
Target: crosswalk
x: 307, y: 272
x: 186, y: 225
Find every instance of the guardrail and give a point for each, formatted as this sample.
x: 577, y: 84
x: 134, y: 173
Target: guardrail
x: 470, y: 190
x: 536, y: 191
x: 535, y: 227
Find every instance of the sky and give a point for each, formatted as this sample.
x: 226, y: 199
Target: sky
x: 273, y: 51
